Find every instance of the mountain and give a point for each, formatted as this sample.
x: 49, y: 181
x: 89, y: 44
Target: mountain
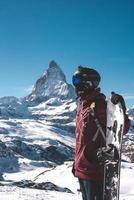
x: 52, y: 84
x: 49, y: 109
x: 51, y: 89
x: 38, y: 130
x: 53, y: 99
x: 11, y: 106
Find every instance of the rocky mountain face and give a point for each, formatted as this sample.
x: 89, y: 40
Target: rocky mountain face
x: 52, y: 84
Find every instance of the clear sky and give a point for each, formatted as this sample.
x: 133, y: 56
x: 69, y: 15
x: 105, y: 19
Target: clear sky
x: 96, y: 33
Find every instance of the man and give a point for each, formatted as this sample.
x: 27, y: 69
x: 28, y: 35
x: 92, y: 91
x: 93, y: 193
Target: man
x: 86, y: 166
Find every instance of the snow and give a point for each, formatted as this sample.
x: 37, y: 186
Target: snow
x: 127, y: 183
x: 52, y: 110
x: 28, y: 194
x: 62, y: 176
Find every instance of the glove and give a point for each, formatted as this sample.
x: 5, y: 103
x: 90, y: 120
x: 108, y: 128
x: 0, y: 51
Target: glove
x: 116, y: 98
x: 108, y: 153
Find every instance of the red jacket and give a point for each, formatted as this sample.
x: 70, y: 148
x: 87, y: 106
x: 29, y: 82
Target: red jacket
x: 86, y: 166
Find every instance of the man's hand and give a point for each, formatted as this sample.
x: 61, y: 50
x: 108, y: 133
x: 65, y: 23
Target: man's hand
x: 108, y: 153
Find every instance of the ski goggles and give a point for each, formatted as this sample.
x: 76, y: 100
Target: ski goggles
x: 76, y: 80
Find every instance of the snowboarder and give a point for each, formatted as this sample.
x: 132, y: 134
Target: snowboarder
x: 86, y: 165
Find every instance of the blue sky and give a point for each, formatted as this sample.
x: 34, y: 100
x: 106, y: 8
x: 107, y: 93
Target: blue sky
x: 96, y: 33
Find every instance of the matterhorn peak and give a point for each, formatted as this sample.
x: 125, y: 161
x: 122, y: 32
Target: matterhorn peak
x: 53, y: 65
x: 54, y: 72
x: 52, y: 84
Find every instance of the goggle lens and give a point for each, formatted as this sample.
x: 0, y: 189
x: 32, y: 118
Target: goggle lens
x: 76, y: 80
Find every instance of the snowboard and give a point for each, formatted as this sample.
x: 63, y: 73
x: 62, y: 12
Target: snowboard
x: 114, y: 135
